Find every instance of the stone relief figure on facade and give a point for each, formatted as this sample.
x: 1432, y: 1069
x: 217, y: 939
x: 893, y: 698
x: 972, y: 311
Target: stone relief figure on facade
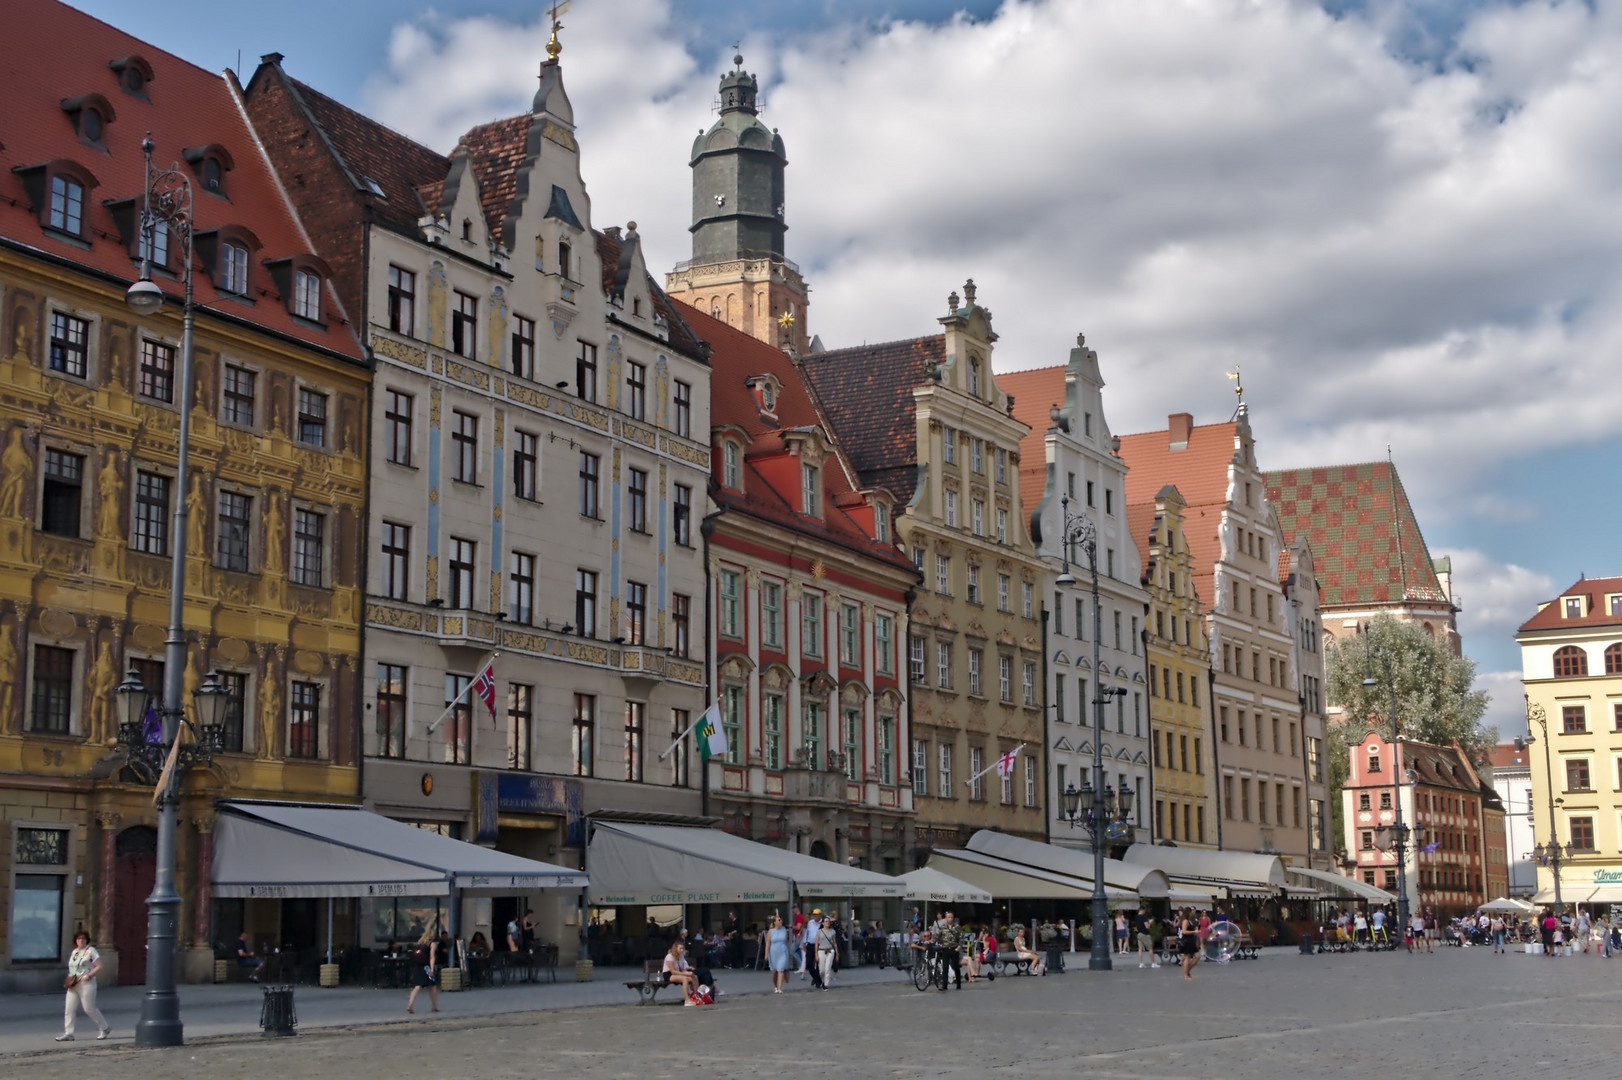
x: 615, y: 372
x: 661, y: 391
x: 22, y: 333
x: 109, y: 496
x: 270, y: 708
x: 16, y: 470
x: 197, y: 519
x: 101, y: 688
x: 8, y: 672
x: 275, y: 531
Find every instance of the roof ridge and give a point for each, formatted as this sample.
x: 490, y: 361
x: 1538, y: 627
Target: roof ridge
x: 872, y: 345
x: 304, y: 87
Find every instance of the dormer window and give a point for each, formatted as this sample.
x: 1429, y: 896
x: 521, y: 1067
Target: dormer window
x: 57, y: 191
x: 90, y: 113
x: 974, y: 376
x: 133, y: 74
x: 300, y: 279
x: 225, y: 255
x: 881, y: 522
x: 209, y: 164
x: 307, y: 295
x: 154, y: 245
x: 233, y: 268
x: 1574, y: 607
x: 67, y: 205
x: 731, y: 466
x: 811, y: 489
x: 765, y: 388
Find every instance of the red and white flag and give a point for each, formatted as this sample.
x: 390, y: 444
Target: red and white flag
x: 1005, y: 764
x: 485, y: 687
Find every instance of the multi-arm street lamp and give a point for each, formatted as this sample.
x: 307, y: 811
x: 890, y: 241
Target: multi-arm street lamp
x: 1394, y: 837
x: 1104, y: 819
x: 155, y: 751
x: 1553, y: 853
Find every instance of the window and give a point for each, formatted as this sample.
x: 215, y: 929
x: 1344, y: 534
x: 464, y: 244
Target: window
x: 949, y: 445
x: 974, y: 583
x: 681, y: 622
x: 465, y: 447
x: 1002, y: 592
x: 307, y: 295
x: 977, y: 787
x: 585, y: 372
x: 583, y: 734
x: 565, y: 259
x: 636, y: 612
x: 850, y: 745
x: 62, y: 494
x: 1613, y: 657
x: 682, y: 515
x: 1570, y: 661
x: 951, y: 509
x: 1027, y: 600
x: 915, y: 659
x: 397, y: 417
x: 811, y: 489
x: 1244, y: 799
x: 974, y: 670
x: 811, y: 624
x: 523, y: 345
x: 585, y: 602
x: 237, y: 404
x: 1028, y: 683
x: 1582, y: 833
x: 1002, y: 526
x: 849, y: 650
x: 1005, y: 678
x: 304, y: 721
x: 1374, y: 752
x: 884, y: 644
x: 731, y: 473
x: 1577, y: 774
x: 943, y: 787
x: 232, y: 529
x: 1002, y: 465
x: 1385, y: 800
x: 396, y: 560
x: 520, y: 719
x: 680, y: 721
x: 977, y: 456
x: 974, y: 376
x: 233, y: 269
x: 636, y: 390
x: 309, y: 548
x: 526, y: 466
x: 771, y: 614
x: 50, y: 710
x: 1058, y: 699
x: 635, y: 724
x: 462, y: 563
x: 811, y: 725
x: 67, y: 205
x: 312, y: 417
x: 943, y: 575
x: 590, y: 470
x: 1574, y: 607
x: 1573, y: 719
x: 402, y: 301
x: 920, y: 767
x: 391, y: 711
x: 731, y: 625
x: 684, y: 409
x: 464, y: 324
x: 521, y: 598
x: 155, y: 376
x: 881, y: 522
x: 70, y: 340
x: 943, y: 665
x: 151, y: 533
x: 772, y: 728
x: 886, y: 749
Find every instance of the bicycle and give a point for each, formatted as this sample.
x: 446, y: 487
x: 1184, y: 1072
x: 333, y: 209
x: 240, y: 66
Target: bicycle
x: 929, y: 970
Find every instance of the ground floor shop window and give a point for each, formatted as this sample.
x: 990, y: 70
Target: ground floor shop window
x: 403, y: 919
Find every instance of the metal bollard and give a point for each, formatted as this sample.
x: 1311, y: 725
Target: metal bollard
x: 276, y: 1016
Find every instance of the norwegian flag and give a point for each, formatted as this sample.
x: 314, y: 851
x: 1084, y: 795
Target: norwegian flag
x: 485, y: 687
x: 1005, y: 764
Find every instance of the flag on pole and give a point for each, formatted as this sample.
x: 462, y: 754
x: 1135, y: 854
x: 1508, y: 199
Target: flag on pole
x: 1432, y: 846
x: 151, y: 726
x: 485, y: 687
x: 712, y: 738
x: 1005, y: 764
x: 168, y: 768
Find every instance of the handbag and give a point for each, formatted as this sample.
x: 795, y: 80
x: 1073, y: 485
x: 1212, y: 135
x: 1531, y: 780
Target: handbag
x: 70, y: 982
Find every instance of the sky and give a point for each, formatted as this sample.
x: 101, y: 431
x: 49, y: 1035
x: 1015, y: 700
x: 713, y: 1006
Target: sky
x: 1400, y: 220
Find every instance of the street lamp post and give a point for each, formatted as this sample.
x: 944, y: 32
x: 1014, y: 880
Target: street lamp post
x: 157, y: 754
x: 1097, y: 807
x: 1395, y: 837
x: 1553, y: 853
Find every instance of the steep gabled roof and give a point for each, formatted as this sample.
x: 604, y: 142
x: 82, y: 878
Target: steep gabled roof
x: 867, y: 393
x: 499, y: 149
x: 682, y: 336
x: 1552, y: 616
x: 1200, y: 474
x: 1363, y: 532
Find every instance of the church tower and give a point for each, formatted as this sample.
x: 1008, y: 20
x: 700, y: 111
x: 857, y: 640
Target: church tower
x: 738, y: 272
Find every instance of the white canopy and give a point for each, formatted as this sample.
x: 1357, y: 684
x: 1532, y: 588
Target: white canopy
x: 680, y: 864
x: 283, y: 850
x: 1242, y: 874
x: 1341, y: 885
x: 936, y: 887
x: 1584, y: 893
x: 1015, y: 881
x: 1507, y: 906
x: 1143, y: 881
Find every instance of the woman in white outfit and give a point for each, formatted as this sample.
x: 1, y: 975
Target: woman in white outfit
x: 84, y: 964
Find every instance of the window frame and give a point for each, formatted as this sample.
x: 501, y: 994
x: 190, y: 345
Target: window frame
x: 64, y: 355
x: 464, y: 324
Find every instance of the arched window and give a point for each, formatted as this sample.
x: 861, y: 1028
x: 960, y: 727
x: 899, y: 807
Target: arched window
x: 1570, y: 662
x: 1613, y: 659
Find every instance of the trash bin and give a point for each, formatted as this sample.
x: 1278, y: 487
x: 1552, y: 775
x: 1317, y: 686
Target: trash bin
x: 276, y: 1016
x: 1055, y: 962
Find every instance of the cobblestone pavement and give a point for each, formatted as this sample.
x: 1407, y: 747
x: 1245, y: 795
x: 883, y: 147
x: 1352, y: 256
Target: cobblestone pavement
x: 1456, y: 1014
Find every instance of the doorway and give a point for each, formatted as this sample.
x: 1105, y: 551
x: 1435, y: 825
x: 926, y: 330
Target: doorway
x: 135, y: 869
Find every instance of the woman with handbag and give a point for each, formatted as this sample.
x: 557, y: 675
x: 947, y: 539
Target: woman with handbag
x: 84, y: 964
x: 424, y: 971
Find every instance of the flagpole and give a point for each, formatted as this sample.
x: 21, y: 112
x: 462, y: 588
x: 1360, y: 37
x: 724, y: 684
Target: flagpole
x: 688, y: 730
x: 1012, y: 753
x: 457, y: 700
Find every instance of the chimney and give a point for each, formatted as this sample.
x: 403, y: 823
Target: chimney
x: 1179, y: 426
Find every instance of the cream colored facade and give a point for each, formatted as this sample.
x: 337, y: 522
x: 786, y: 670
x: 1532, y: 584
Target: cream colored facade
x: 1303, y: 615
x: 1179, y: 683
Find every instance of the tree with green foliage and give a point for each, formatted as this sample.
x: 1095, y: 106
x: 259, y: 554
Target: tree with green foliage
x: 1435, y: 700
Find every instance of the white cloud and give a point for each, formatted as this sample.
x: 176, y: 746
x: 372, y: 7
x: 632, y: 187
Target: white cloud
x: 1507, y: 709
x: 1423, y: 255
x: 1496, y: 597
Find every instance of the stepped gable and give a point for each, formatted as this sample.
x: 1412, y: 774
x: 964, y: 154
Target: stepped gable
x: 682, y: 335
x: 1363, y: 532
x: 1199, y: 472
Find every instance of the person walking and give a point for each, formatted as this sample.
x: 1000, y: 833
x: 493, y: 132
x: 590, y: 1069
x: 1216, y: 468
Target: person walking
x: 1496, y: 925
x: 779, y: 952
x: 1121, y: 930
x: 425, y: 971
x: 827, y: 951
x: 808, y: 948
x: 84, y: 964
x: 1188, y: 942
x: 1430, y: 929
x: 1146, y: 942
x: 1416, y: 931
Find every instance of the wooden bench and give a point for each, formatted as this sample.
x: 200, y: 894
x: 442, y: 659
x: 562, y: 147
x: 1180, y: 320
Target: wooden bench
x: 653, y: 980
x: 1247, y: 947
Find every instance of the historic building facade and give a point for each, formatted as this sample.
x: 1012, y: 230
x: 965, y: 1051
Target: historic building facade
x: 1263, y: 738
x: 540, y: 434
x: 88, y: 453
x: 808, y: 622
x: 925, y: 421
x: 1069, y: 455
x: 1510, y: 774
x: 1303, y: 615
x: 1571, y: 666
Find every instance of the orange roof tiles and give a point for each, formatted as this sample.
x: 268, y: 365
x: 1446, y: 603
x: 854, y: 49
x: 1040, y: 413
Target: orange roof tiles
x: 1552, y: 617
x: 1035, y: 391
x: 1200, y: 474
x: 50, y: 53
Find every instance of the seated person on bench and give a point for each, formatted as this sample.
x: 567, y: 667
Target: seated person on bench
x: 1022, y: 952
x: 247, y: 960
x: 678, y: 972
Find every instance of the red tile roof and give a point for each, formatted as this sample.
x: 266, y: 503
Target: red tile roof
x: 867, y: 393
x: 1507, y: 756
x: 1200, y: 474
x: 736, y: 357
x: 1364, y: 535
x: 50, y: 53
x: 1035, y: 391
x: 499, y: 149
x: 682, y: 335
x: 1552, y: 617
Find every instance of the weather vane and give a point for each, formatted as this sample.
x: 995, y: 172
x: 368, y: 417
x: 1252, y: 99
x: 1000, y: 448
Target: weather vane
x: 554, y: 46
x: 1238, y: 386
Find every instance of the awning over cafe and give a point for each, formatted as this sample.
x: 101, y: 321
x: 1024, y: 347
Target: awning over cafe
x: 674, y: 864
x: 285, y: 850
x: 1006, y: 880
x: 1239, y: 873
x: 1145, y: 882
x: 1584, y: 893
x: 1341, y: 885
x: 936, y: 887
